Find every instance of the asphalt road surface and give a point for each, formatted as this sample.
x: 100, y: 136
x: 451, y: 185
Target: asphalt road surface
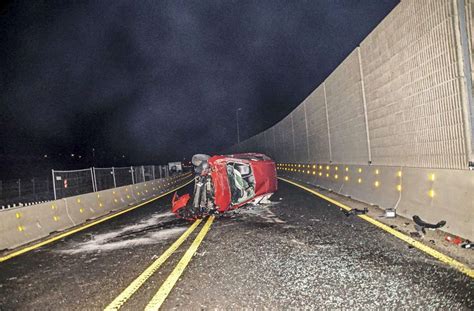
x: 298, y: 252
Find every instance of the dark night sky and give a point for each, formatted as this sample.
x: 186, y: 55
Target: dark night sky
x: 160, y: 80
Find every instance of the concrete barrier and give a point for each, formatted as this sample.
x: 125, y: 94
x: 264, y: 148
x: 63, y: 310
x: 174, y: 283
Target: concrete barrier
x: 432, y: 194
x: 22, y: 225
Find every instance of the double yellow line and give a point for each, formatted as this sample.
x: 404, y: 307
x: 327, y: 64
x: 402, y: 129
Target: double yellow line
x: 163, y: 292
x: 422, y: 247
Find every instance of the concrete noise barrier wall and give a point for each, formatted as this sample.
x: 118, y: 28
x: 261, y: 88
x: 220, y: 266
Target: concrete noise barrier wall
x: 19, y: 226
x: 432, y: 194
x: 401, y: 101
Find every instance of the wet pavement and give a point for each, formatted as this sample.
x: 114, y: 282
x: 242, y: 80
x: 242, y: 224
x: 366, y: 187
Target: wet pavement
x: 299, y: 252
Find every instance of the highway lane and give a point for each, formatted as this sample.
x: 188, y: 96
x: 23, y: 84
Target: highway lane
x: 88, y: 269
x: 298, y: 252
x: 303, y: 252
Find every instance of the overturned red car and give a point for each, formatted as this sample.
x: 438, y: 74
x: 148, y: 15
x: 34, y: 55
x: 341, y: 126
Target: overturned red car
x: 227, y: 182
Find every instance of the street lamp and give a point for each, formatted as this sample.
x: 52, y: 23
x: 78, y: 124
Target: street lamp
x: 237, y: 118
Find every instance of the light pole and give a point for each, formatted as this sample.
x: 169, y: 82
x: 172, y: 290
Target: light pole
x: 238, y: 130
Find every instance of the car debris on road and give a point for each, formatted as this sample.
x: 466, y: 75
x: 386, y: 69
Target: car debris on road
x: 421, y: 225
x: 355, y: 211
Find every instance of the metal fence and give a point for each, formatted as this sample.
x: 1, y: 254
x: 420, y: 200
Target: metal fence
x: 70, y: 183
x: 23, y: 191
x: 20, y: 192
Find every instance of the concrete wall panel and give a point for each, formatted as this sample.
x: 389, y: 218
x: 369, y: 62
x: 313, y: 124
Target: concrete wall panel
x: 300, y: 134
x: 346, y: 113
x: 414, y: 107
x: 432, y: 194
x: 318, y: 137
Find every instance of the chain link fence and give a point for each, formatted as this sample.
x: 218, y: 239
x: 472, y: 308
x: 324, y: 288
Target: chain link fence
x: 68, y: 183
x: 14, y: 192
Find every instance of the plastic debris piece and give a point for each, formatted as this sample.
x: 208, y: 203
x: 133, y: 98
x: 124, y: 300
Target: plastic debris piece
x: 415, y: 234
x: 468, y: 245
x: 455, y: 240
x: 355, y: 211
x: 390, y: 213
x: 421, y: 225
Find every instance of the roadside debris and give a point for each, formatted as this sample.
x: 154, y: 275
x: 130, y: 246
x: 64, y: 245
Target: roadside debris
x: 355, y: 211
x: 390, y: 213
x: 468, y: 245
x: 415, y: 234
x: 421, y: 225
x: 455, y: 240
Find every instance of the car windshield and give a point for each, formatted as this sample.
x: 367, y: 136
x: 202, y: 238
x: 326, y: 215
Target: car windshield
x: 241, y: 181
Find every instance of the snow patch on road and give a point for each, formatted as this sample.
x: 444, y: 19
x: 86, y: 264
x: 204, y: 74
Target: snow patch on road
x: 124, y: 237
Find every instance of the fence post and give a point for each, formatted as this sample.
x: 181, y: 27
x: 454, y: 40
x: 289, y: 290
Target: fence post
x: 113, y: 175
x: 153, y: 171
x: 54, y: 185
x: 143, y: 173
x: 133, y: 178
x: 47, y: 187
x: 93, y: 179
x: 34, y: 188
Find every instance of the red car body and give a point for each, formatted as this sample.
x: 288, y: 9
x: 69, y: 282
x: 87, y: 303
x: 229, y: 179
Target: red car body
x: 234, y: 180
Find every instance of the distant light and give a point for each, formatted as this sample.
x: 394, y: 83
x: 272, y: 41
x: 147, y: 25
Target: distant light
x: 45, y: 156
x: 72, y: 155
x: 431, y: 193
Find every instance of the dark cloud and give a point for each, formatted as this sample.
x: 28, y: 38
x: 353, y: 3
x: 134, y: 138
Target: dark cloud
x: 159, y: 80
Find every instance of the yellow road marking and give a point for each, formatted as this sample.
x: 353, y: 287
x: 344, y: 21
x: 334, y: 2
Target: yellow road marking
x: 65, y: 234
x: 430, y: 251
x: 160, y: 296
x: 141, y: 279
